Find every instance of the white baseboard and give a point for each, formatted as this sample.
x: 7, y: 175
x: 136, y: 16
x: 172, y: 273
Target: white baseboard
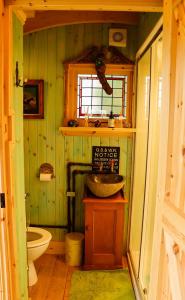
x: 56, y: 247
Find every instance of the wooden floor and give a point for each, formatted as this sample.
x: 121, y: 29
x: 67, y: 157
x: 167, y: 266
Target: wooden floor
x: 54, y: 278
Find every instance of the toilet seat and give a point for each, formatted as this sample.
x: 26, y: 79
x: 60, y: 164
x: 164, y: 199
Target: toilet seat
x: 45, y: 237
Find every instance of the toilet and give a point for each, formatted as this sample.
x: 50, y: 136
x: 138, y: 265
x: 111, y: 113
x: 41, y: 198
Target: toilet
x: 37, y: 243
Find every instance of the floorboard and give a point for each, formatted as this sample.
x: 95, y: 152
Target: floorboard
x: 54, y: 278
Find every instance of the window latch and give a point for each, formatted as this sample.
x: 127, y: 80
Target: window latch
x: 2, y: 200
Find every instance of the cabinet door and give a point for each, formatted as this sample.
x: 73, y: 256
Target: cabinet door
x: 103, y: 235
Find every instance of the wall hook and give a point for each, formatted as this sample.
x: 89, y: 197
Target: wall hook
x: 17, y: 79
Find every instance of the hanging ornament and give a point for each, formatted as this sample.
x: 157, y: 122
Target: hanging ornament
x: 100, y: 69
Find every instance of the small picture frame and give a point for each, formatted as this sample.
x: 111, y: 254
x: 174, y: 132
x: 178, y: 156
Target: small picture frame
x: 33, y: 99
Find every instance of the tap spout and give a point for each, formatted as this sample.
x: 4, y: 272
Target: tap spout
x: 112, y: 162
x: 101, y: 166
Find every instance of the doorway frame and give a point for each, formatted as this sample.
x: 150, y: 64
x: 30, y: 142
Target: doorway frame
x: 8, y: 231
x: 7, y: 121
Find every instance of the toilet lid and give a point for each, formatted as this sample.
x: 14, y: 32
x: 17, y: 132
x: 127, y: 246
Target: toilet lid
x: 37, y: 237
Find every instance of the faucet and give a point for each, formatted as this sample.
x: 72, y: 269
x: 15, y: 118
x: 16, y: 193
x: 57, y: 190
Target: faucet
x: 101, y: 166
x: 112, y: 165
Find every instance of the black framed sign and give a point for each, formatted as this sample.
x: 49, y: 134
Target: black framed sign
x: 105, y: 159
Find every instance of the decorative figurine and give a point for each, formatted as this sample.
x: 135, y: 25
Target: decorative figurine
x: 72, y: 123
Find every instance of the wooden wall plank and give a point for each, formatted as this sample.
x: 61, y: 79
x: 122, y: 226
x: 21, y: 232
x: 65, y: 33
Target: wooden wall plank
x: 60, y: 169
x: 18, y: 163
x: 50, y: 124
x: 79, y: 187
x: 33, y: 186
x: 42, y: 72
x: 26, y: 51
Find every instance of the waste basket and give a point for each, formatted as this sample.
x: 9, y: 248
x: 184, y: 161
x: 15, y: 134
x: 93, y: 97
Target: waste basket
x: 74, y: 244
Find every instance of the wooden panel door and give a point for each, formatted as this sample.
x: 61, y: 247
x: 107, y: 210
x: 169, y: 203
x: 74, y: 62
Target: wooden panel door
x: 103, y: 234
x: 168, y: 276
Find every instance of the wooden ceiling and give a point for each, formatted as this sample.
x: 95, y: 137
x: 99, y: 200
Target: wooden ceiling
x: 50, y: 13
x: 47, y: 19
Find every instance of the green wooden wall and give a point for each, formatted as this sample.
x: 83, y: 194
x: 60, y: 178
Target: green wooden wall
x: 147, y: 22
x: 44, y: 53
x: 18, y: 162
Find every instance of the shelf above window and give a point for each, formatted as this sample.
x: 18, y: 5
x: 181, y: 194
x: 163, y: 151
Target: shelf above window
x: 93, y: 131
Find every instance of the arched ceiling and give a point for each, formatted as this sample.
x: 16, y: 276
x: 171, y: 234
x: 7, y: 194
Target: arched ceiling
x: 51, y: 13
x: 46, y: 19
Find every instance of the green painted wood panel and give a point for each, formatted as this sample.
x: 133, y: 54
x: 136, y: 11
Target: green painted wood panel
x: 146, y: 24
x: 18, y: 162
x: 44, y: 54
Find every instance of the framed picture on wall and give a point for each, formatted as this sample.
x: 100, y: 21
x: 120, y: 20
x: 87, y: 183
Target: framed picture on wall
x: 33, y: 99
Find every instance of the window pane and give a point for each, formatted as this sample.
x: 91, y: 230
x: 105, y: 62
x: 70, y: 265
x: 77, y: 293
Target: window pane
x: 117, y: 84
x: 96, y: 110
x: 107, y: 109
x: 96, y: 100
x: 86, y: 100
x: 110, y: 82
x: 106, y: 95
x: 85, y: 109
x: 107, y: 101
x: 86, y: 92
x: 117, y: 101
x: 117, y: 110
x: 97, y: 92
x: 96, y: 84
x: 118, y: 93
x: 86, y: 83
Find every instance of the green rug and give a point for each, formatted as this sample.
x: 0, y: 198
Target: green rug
x: 101, y: 285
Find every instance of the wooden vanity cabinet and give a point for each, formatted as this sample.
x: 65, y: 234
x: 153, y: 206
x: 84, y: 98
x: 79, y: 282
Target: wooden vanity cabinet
x: 104, y: 220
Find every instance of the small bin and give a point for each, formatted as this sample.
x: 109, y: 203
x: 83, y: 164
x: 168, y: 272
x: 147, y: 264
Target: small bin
x: 74, y: 244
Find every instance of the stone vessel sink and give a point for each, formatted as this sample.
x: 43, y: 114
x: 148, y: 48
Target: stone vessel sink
x: 105, y: 185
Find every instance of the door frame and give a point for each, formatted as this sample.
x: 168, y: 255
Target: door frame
x: 7, y: 118
x: 7, y: 221
x: 4, y: 277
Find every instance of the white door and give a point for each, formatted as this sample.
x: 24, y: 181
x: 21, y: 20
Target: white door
x: 168, y: 263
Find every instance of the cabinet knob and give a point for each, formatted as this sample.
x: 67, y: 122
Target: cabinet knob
x: 86, y: 227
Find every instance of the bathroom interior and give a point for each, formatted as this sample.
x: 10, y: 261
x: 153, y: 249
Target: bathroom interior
x: 44, y: 54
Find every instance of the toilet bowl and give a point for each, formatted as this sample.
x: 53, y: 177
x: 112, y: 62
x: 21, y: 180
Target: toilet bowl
x: 37, y: 242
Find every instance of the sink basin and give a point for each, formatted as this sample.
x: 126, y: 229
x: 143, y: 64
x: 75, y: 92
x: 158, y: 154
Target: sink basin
x: 105, y: 185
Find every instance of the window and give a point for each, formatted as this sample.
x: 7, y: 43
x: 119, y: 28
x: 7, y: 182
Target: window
x: 93, y: 100
x: 86, y: 97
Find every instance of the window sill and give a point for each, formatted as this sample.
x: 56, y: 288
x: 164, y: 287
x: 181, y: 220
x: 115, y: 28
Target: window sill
x: 93, y: 131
